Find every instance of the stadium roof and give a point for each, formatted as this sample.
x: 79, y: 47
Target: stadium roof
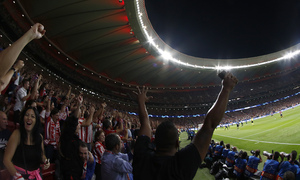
x: 106, y: 42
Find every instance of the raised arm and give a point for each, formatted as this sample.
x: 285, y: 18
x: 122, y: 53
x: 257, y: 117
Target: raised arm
x: 125, y: 131
x: 260, y: 159
x: 7, y: 77
x: 100, y: 111
x: 143, y: 113
x: 11, y: 53
x: 214, y: 115
x: 69, y: 92
x: 89, y: 120
x: 48, y: 109
x: 119, y: 128
x: 35, y: 87
x: 79, y: 102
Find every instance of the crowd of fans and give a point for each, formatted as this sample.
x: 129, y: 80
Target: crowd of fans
x: 84, y: 135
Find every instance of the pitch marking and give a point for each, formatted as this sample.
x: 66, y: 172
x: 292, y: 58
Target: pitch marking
x: 260, y: 141
x: 271, y: 128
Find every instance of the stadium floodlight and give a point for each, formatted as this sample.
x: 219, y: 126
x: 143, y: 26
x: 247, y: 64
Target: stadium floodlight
x: 166, y: 55
x: 226, y: 68
x: 150, y: 40
x: 290, y: 55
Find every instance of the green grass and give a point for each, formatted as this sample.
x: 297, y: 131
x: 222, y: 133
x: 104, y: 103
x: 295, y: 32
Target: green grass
x: 267, y: 134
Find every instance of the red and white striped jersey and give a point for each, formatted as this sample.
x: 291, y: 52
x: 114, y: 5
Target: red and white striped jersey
x: 85, y: 133
x: 98, y: 151
x: 52, y: 132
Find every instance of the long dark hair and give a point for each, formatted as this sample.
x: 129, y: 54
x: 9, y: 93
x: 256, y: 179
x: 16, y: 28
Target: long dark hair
x: 35, y: 133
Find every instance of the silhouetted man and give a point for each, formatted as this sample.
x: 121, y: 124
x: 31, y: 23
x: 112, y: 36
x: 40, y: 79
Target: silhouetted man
x: 167, y: 162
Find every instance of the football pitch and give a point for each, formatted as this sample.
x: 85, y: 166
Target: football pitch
x: 267, y: 134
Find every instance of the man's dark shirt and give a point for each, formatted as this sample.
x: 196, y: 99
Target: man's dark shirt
x: 4, y: 137
x: 71, y: 164
x: 146, y: 165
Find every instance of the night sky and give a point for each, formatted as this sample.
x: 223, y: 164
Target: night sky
x: 226, y: 28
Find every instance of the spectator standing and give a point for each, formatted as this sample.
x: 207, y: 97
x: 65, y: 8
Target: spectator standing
x: 114, y: 164
x: 98, y: 152
x: 82, y: 119
x: 108, y: 128
x: 25, y: 150
x: 86, y: 131
x: 52, y: 135
x: 166, y: 162
x: 21, y: 97
x: 71, y: 163
x: 98, y: 118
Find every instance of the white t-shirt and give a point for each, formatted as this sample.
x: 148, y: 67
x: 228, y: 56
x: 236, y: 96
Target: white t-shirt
x: 21, y: 93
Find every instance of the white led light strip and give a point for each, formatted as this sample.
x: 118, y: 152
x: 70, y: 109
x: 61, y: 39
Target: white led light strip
x: 167, y: 55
